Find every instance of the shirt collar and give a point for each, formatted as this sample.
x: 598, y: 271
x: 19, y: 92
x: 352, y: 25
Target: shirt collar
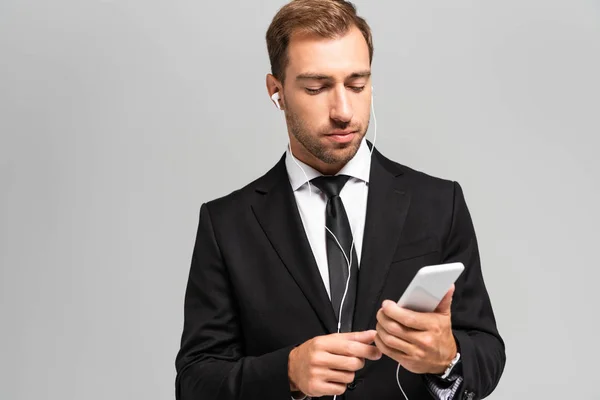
x: 358, y: 167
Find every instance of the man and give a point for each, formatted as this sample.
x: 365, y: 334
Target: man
x: 326, y: 242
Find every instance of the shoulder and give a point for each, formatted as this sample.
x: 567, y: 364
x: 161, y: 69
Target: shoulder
x: 435, y: 197
x: 245, y: 196
x: 417, y: 180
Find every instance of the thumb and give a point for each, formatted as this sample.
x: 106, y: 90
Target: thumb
x: 444, y: 306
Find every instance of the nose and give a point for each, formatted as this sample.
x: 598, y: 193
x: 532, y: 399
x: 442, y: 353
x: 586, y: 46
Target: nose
x: 341, y: 108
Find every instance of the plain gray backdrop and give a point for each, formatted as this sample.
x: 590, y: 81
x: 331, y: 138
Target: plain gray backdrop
x: 119, y: 118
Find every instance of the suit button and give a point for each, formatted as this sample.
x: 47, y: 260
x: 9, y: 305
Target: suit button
x: 353, y: 385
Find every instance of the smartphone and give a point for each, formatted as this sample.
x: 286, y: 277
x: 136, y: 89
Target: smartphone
x: 429, y: 286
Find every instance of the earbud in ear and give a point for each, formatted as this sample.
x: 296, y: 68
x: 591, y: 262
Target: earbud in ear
x: 275, y: 99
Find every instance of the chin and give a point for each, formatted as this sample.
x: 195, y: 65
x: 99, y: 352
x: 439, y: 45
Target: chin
x: 343, y: 153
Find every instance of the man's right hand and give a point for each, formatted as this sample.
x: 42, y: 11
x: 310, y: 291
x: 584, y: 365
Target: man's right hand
x: 324, y: 365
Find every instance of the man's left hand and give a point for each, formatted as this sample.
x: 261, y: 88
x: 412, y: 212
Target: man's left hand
x: 420, y: 342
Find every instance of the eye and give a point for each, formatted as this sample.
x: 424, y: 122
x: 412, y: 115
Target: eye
x: 314, y: 91
x: 357, y: 89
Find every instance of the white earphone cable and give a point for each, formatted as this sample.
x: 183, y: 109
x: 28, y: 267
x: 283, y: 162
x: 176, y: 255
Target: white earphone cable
x: 349, y: 259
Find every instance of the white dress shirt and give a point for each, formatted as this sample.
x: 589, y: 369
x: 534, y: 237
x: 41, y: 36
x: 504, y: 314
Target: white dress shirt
x: 311, y: 203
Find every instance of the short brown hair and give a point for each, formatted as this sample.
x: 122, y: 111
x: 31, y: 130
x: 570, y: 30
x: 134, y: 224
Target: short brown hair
x: 325, y: 18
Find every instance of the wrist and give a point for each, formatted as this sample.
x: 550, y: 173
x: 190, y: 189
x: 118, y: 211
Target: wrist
x: 293, y: 387
x: 449, y: 360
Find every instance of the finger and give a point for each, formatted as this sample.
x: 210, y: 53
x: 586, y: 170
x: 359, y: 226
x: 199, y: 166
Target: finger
x: 388, y: 351
x: 394, y: 342
x: 323, y: 387
x: 336, y: 376
x: 354, y: 349
x: 412, y: 319
x: 365, y: 337
x: 330, y: 389
x: 338, y: 362
x: 396, y: 329
x: 445, y: 304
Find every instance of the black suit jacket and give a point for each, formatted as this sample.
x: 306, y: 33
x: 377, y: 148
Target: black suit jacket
x: 255, y: 292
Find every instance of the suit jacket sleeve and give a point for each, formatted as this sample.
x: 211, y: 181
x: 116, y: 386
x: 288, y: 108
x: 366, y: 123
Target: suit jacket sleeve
x: 473, y: 322
x: 211, y: 362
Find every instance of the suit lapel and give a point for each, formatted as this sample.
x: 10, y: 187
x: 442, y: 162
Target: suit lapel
x: 278, y: 215
x: 387, y: 207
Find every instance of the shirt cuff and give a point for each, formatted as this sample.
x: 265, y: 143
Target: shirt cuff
x: 443, y: 389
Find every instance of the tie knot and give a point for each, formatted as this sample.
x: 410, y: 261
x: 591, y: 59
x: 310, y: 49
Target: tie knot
x: 330, y: 185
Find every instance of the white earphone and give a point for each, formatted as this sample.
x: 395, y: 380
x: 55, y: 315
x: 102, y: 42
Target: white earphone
x: 275, y: 99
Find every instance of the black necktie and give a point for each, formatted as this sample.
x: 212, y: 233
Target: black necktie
x: 336, y: 220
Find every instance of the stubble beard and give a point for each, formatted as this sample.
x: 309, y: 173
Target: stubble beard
x: 311, y: 143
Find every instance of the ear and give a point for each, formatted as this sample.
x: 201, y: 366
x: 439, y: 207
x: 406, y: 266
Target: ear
x: 274, y: 86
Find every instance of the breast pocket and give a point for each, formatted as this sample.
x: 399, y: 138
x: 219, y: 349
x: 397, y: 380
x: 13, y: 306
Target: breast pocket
x: 407, y: 260
x: 420, y: 248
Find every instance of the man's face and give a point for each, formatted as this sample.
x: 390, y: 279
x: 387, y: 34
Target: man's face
x: 327, y: 98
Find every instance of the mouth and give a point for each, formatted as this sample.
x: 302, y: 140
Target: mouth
x: 341, y: 136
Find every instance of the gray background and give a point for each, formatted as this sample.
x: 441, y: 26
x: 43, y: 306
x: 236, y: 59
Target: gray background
x: 119, y: 118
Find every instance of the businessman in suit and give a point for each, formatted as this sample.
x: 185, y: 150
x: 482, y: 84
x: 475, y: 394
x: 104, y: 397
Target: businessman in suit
x: 294, y: 278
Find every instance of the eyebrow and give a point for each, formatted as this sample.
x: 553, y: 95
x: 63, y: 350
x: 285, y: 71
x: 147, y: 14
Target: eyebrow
x: 321, y: 77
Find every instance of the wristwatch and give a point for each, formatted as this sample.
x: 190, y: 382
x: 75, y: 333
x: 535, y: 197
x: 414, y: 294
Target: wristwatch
x: 451, y: 366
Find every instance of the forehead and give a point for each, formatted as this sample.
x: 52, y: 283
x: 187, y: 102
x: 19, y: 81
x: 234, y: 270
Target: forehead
x: 336, y: 57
